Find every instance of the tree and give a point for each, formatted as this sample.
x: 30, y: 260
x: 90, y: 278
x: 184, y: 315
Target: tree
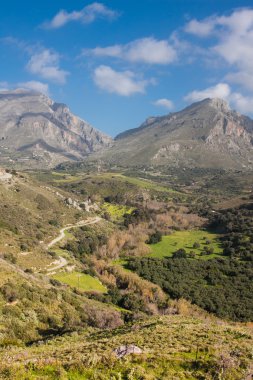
x: 154, y: 238
x: 180, y: 254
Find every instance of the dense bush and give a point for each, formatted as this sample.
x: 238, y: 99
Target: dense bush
x: 223, y: 287
x: 237, y: 226
x: 137, y: 216
x: 87, y: 242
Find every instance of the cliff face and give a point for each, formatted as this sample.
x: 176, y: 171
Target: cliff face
x: 33, y: 127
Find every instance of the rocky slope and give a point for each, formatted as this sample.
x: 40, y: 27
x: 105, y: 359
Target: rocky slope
x: 206, y: 134
x: 34, y: 130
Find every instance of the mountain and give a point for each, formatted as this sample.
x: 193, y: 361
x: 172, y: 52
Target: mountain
x: 206, y: 134
x: 34, y: 131
x: 37, y: 132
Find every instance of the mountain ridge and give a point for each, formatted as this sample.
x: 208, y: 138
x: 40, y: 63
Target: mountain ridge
x: 35, y: 131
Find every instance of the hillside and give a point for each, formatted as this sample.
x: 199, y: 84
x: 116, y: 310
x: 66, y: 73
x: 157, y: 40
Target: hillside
x: 35, y: 131
x: 172, y: 347
x: 72, y: 291
x: 207, y: 134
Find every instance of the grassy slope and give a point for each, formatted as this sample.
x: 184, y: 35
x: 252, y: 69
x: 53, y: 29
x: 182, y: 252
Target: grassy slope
x: 174, y: 347
x: 25, y: 212
x: 32, y: 308
x: 186, y: 239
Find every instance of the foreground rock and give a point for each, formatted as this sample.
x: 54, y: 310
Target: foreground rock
x: 122, y: 351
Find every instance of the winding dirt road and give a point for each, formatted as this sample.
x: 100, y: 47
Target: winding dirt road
x: 62, y: 262
x: 70, y: 226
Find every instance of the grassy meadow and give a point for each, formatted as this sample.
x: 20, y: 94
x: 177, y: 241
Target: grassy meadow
x: 185, y: 240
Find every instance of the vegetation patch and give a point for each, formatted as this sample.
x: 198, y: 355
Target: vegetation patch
x: 116, y: 212
x: 81, y: 281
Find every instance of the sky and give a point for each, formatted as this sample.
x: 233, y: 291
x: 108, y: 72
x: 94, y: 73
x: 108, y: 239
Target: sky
x: 116, y: 63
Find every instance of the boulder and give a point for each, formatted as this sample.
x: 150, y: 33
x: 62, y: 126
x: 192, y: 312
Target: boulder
x: 128, y: 349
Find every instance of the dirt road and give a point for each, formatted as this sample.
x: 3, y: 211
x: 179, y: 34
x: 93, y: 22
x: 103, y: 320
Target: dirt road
x: 62, y: 262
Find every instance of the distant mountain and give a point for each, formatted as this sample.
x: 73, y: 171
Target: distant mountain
x: 206, y: 134
x: 34, y: 131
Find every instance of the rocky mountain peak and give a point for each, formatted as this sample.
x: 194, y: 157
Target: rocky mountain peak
x: 36, y: 130
x: 219, y: 104
x: 205, y: 134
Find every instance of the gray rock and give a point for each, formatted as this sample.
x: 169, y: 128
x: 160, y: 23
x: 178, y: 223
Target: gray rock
x: 124, y: 350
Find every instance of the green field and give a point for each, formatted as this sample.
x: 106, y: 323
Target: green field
x: 186, y: 239
x: 81, y: 281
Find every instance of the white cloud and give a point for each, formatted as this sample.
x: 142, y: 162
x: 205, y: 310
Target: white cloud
x: 242, y: 103
x: 234, y: 35
x: 122, y: 83
x: 242, y: 78
x: 235, y: 44
x: 87, y: 15
x: 150, y: 50
x: 46, y: 65
x: 166, y: 103
x: 221, y: 90
x: 35, y: 86
x: 109, y: 51
x: 145, y: 50
x: 200, y: 28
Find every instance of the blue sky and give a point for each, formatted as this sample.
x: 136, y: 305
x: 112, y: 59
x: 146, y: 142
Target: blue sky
x: 115, y: 63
